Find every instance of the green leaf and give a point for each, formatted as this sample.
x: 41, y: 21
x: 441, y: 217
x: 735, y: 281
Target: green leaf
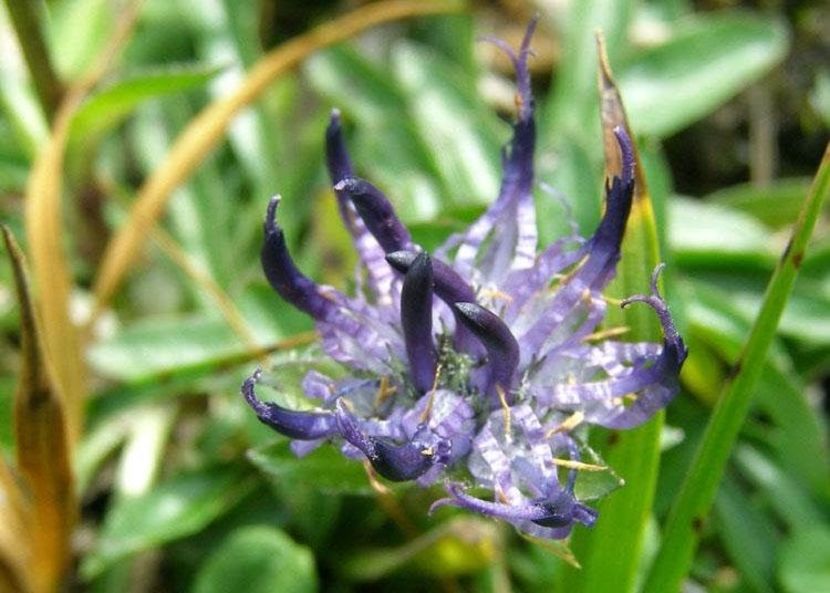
x: 78, y: 32
x: 163, y: 345
x: 325, y: 469
x: 460, y: 546
x: 804, y: 564
x: 457, y: 129
x: 748, y: 535
x: 707, y: 61
x: 775, y: 205
x: 708, y: 234
x: 794, y: 507
x: 258, y: 559
x: 595, y: 484
x: 174, y: 509
x: 109, y: 106
x: 633, y: 453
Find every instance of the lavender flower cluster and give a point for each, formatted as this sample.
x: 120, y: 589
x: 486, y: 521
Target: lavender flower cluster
x: 473, y: 366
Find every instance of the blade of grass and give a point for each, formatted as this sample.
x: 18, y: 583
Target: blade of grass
x: 209, y: 127
x: 41, y: 445
x: 48, y: 86
x: 634, y: 454
x: 693, y: 502
x: 44, y: 229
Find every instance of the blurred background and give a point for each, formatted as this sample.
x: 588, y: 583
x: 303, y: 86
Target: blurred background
x: 139, y: 144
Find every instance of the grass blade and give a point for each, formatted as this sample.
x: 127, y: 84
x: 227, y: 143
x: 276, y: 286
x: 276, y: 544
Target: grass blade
x: 61, y: 341
x: 24, y: 18
x: 208, y: 128
x: 694, y: 500
x: 633, y: 454
x: 41, y: 445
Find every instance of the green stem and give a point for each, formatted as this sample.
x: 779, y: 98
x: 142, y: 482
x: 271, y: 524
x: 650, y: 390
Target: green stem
x: 24, y: 18
x: 687, y: 516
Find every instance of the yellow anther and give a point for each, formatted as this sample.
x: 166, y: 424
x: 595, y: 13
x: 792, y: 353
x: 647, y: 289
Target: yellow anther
x: 567, y: 425
x: 428, y: 408
x: 579, y: 465
x: 385, y: 391
x: 604, y: 334
x: 505, y: 408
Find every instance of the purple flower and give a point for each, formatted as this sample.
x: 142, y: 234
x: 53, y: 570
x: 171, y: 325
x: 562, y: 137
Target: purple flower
x: 473, y: 366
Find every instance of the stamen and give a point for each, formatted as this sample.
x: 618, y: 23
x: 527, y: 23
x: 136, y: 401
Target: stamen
x: 567, y: 425
x: 385, y: 390
x: 502, y: 347
x: 505, y: 408
x: 611, y: 332
x: 578, y: 465
x: 431, y: 401
x: 377, y: 213
x: 416, y: 319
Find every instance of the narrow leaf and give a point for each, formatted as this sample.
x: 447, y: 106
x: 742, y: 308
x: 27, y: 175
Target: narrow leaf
x: 694, y: 500
x: 41, y: 444
x: 174, y: 509
x: 707, y: 61
x: 107, y: 107
x: 264, y: 559
x: 325, y: 469
x: 633, y: 454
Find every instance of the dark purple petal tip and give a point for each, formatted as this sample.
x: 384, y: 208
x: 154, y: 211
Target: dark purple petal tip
x: 563, y: 511
x: 674, y: 349
x: 627, y: 158
x: 450, y: 287
x: 337, y: 158
x: 416, y: 319
x: 303, y: 426
x: 282, y: 273
x: 500, y: 343
x: 399, y: 463
x: 377, y: 213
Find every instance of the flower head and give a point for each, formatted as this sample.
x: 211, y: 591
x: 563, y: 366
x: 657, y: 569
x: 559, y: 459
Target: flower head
x: 473, y: 365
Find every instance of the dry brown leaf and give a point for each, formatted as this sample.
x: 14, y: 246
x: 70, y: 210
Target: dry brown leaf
x: 612, y: 114
x: 15, y: 545
x: 61, y: 339
x: 43, y: 461
x: 207, y: 129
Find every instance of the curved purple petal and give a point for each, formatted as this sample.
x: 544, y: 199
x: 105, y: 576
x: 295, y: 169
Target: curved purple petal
x: 306, y: 426
x: 631, y: 394
x: 396, y: 462
x: 370, y: 252
x: 502, y: 348
x: 416, y: 319
x: 282, y: 273
x: 511, y: 219
x: 449, y: 287
x: 377, y: 213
